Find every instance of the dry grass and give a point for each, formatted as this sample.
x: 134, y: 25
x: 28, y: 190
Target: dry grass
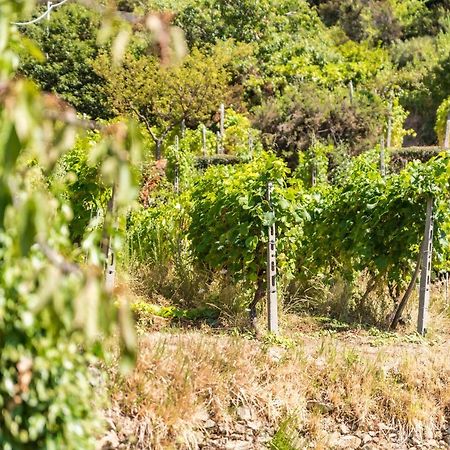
x: 183, y: 380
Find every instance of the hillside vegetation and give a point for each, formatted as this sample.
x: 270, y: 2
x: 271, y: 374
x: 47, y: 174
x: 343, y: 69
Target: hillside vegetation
x: 149, y: 150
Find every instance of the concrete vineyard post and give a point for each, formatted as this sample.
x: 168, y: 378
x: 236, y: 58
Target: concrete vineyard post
x: 382, y: 161
x: 425, y: 276
x: 446, y: 288
x: 250, y: 144
x: 49, y: 9
x: 313, y: 168
x: 447, y: 133
x: 272, y: 296
x: 351, y: 91
x: 110, y: 273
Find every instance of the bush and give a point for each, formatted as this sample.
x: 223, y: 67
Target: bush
x: 230, y: 218
x: 306, y: 113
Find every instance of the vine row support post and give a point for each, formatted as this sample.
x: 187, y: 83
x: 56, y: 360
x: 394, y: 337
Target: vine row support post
x: 425, y: 276
x: 250, y: 144
x: 446, y: 288
x: 49, y: 9
x: 272, y: 295
x: 351, y: 91
x: 382, y: 158
x: 110, y: 272
x: 447, y: 133
x: 221, y: 133
x: 313, y: 174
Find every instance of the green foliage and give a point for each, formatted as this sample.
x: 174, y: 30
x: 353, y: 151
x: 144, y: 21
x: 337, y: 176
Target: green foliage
x: 399, y: 116
x: 441, y: 120
x: 314, y: 162
x: 162, y: 97
x: 374, y: 224
x: 69, y: 45
x: 155, y: 234
x: 230, y: 216
x: 83, y: 186
x: 144, y: 311
x: 239, y: 135
x: 53, y: 312
x: 306, y: 113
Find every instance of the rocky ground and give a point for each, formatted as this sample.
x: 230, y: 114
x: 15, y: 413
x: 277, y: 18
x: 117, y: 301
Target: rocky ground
x: 206, y: 392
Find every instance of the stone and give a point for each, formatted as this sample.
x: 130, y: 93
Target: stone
x: 319, y: 406
x: 382, y: 426
x: 238, y: 445
x: 366, y: 437
x: 109, y: 442
x: 344, y: 429
x: 264, y: 437
x: 333, y: 438
x: 428, y: 434
x: 275, y: 354
x: 209, y: 424
x: 255, y: 426
x: 244, y: 413
x: 111, y: 424
x: 348, y: 442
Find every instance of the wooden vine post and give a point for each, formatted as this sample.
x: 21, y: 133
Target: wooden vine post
x: 272, y: 296
x: 425, y: 276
